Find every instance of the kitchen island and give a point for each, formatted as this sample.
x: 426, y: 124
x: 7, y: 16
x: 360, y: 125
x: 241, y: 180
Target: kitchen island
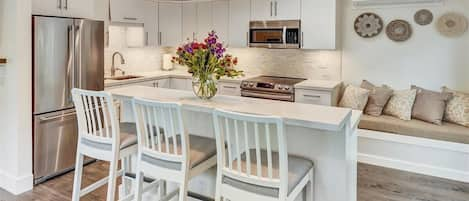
x: 326, y: 135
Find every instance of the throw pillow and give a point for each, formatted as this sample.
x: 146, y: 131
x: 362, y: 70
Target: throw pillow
x: 400, y: 104
x: 430, y: 106
x: 354, y: 97
x: 457, y: 109
x: 377, y: 99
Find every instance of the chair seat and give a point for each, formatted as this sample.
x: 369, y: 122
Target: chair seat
x: 201, y: 149
x: 128, y: 137
x: 298, y: 168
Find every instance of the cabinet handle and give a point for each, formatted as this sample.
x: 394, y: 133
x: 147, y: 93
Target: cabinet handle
x: 159, y: 38
x: 66, y: 5
x: 276, y: 6
x: 130, y: 18
x: 302, y: 39
x: 247, y: 39
x: 193, y: 36
x: 311, y: 96
x: 271, y: 7
x: 146, y: 38
x: 229, y: 87
x: 107, y: 38
x: 59, y: 4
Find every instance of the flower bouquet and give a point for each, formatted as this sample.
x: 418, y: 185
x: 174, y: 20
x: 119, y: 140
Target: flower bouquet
x: 207, y: 62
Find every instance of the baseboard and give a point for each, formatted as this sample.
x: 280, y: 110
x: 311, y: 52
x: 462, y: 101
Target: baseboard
x: 414, y: 167
x: 16, y: 185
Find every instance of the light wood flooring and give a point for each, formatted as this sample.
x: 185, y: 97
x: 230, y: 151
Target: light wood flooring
x: 374, y: 184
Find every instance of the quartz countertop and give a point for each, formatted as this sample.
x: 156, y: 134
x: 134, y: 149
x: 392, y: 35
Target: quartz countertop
x: 298, y: 114
x: 323, y: 85
x: 149, y: 76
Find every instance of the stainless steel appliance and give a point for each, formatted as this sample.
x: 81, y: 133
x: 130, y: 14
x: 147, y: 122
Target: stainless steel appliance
x: 282, y: 34
x: 270, y: 87
x: 67, y: 53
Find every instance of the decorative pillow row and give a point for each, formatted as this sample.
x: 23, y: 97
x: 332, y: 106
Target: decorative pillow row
x: 417, y: 103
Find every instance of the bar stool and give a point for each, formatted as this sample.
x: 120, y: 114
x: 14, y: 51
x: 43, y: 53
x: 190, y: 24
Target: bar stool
x: 166, y: 151
x: 253, y: 163
x: 103, y: 138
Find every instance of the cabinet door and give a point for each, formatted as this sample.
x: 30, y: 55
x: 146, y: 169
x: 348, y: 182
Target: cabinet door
x: 318, y: 24
x: 163, y: 83
x: 170, y: 24
x: 204, y: 19
x: 220, y: 19
x: 47, y: 7
x: 127, y: 11
x: 287, y: 9
x: 240, y: 15
x: 78, y: 8
x: 262, y: 9
x: 150, y: 24
x: 179, y: 83
x: 189, y: 21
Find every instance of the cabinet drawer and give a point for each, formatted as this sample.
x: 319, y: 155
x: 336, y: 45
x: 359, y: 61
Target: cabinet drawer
x: 230, y: 89
x: 313, y: 97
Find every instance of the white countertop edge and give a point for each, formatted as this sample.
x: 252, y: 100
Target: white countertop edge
x: 321, y: 85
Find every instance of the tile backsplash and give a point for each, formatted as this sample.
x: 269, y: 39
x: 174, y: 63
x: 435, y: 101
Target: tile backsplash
x: 312, y: 64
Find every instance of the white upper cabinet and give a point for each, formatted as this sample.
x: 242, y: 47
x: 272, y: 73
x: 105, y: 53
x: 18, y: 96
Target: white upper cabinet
x: 240, y: 15
x: 150, y: 23
x: 318, y: 24
x: 204, y: 19
x: 189, y: 21
x: 275, y: 9
x: 170, y: 24
x: 287, y: 9
x: 262, y: 10
x: 64, y: 8
x: 127, y: 11
x: 220, y: 19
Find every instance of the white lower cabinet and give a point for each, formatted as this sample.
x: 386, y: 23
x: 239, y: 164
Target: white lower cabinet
x: 230, y: 89
x: 181, y: 84
x: 317, y: 97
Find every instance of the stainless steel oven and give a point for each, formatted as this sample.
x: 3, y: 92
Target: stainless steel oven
x: 282, y: 34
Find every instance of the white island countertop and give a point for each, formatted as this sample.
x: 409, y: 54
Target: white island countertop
x: 297, y: 114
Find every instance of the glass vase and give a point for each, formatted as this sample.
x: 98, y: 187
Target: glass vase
x: 204, y: 86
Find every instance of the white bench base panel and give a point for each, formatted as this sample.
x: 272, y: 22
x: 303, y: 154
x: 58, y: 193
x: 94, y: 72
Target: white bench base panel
x: 419, y: 155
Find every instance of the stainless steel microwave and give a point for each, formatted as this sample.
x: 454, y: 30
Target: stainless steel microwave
x: 281, y: 34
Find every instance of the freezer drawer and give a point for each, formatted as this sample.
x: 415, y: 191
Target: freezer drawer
x: 55, y: 144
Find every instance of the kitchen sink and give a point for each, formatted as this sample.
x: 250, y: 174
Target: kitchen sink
x: 123, y: 77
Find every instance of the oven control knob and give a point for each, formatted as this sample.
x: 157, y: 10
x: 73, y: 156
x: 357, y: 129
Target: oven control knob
x: 251, y: 84
x: 245, y: 84
x: 287, y: 88
x: 280, y: 87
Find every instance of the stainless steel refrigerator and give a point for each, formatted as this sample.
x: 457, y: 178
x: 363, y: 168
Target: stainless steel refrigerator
x: 67, y: 53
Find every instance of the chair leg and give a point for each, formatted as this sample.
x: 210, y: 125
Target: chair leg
x: 111, y: 188
x: 77, y: 177
x: 218, y: 186
x: 124, y: 167
x: 183, y: 191
x: 162, y: 189
x: 310, y: 187
x: 139, y: 186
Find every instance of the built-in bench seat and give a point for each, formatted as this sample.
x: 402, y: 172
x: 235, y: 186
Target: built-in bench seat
x: 447, y: 132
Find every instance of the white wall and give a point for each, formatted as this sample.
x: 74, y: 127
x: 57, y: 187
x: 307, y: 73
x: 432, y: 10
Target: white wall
x: 15, y: 99
x: 428, y: 59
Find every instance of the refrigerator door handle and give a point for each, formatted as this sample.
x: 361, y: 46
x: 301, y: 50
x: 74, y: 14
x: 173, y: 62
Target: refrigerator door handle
x: 70, y: 63
x: 57, y: 116
x: 78, y: 56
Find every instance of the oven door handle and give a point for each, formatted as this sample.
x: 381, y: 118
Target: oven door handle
x: 285, y: 97
x: 284, y: 36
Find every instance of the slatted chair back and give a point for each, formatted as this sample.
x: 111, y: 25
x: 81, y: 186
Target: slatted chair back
x: 96, y: 114
x: 158, y: 127
x: 252, y: 149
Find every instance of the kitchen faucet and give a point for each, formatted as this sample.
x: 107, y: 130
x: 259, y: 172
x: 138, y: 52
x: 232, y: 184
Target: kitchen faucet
x: 113, y: 67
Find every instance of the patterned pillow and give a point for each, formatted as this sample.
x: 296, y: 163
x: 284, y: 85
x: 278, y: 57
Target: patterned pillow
x: 457, y: 109
x: 354, y: 97
x: 401, y: 103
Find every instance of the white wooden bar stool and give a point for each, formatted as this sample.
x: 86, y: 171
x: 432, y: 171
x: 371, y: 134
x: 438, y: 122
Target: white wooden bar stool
x: 253, y: 163
x: 166, y: 151
x: 103, y: 138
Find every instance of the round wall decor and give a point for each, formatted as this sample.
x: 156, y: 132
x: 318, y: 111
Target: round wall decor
x: 452, y: 24
x: 368, y: 25
x: 399, y: 30
x: 423, y: 17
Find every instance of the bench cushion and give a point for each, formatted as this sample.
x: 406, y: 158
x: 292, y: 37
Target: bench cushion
x: 446, y: 132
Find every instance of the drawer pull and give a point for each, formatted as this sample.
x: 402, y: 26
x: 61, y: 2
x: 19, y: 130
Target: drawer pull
x: 311, y: 96
x: 229, y: 87
x: 130, y: 18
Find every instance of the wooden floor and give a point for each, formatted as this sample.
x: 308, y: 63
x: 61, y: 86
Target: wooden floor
x: 374, y: 184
